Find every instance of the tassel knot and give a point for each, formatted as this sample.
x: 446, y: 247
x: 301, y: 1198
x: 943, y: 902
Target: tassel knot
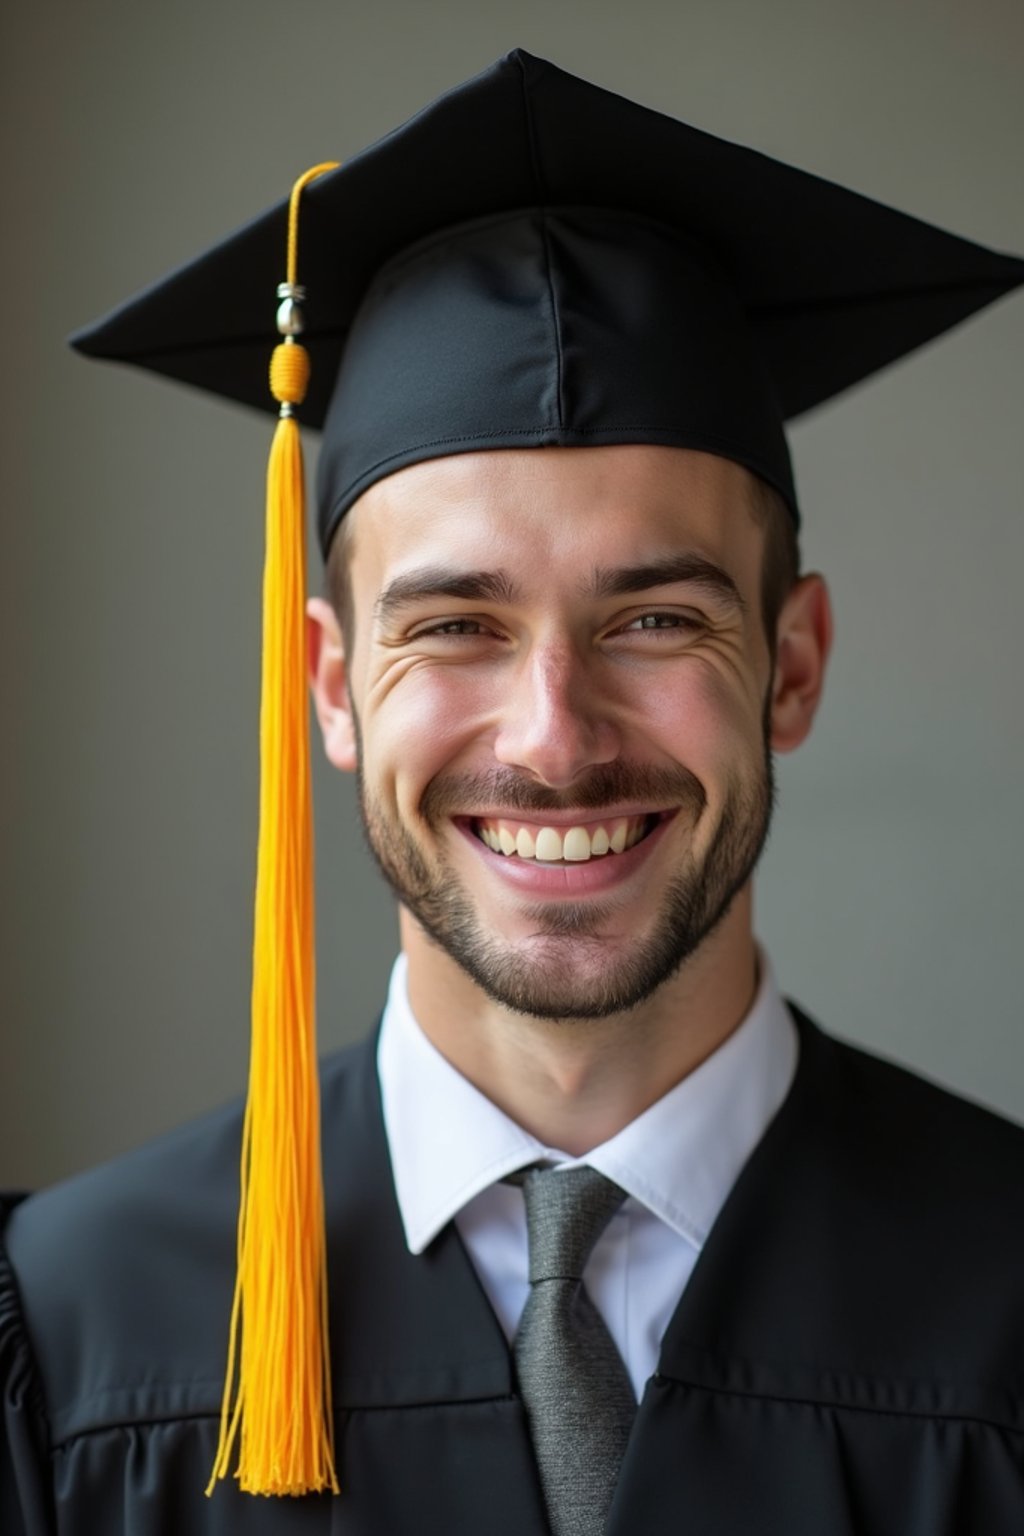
x: 289, y: 373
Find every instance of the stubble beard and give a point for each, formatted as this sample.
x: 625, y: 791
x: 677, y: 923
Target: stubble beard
x: 562, y: 971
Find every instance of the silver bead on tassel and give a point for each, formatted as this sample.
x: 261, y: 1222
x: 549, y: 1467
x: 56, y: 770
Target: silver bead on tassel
x: 289, y: 313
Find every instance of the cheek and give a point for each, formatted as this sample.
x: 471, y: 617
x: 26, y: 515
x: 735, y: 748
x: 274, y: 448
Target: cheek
x: 424, y: 724
x: 702, y: 719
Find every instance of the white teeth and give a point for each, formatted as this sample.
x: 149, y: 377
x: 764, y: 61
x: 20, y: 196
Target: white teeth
x: 573, y: 845
x: 549, y: 844
x: 577, y: 845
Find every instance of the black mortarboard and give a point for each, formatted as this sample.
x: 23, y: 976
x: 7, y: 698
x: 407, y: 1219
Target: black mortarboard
x: 533, y: 260
x: 529, y: 261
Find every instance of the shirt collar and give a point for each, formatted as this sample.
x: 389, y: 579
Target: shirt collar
x: 680, y: 1158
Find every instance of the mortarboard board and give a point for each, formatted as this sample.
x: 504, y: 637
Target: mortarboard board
x: 534, y: 260
x: 529, y: 261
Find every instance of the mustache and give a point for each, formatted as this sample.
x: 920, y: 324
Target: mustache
x: 605, y: 785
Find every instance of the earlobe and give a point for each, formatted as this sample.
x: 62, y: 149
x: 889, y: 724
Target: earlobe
x: 328, y: 682
x: 803, y: 643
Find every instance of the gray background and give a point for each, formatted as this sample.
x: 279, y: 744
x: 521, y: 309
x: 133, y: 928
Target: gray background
x: 135, y: 133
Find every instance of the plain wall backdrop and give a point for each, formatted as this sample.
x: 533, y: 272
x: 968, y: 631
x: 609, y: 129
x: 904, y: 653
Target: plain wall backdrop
x: 134, y: 134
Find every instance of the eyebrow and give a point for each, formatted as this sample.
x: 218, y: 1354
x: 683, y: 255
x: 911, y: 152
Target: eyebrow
x: 443, y: 581
x: 430, y: 581
x: 691, y: 569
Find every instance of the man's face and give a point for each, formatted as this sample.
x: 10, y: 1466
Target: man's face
x: 570, y: 640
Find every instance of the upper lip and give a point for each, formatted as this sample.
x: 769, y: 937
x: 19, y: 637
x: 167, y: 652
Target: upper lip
x: 566, y: 818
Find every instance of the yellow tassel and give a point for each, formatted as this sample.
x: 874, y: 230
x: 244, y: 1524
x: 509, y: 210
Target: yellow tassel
x: 277, y: 1392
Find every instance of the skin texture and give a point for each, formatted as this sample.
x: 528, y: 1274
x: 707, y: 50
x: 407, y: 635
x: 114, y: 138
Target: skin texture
x: 574, y: 999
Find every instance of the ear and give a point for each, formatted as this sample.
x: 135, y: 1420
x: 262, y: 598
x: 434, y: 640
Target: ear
x: 803, y: 639
x: 328, y: 681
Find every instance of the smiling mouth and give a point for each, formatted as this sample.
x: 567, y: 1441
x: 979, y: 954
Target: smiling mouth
x: 575, y: 844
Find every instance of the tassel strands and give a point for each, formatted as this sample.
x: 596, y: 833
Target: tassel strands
x: 277, y: 1399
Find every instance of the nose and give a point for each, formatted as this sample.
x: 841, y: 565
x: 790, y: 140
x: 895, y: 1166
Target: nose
x: 555, y: 724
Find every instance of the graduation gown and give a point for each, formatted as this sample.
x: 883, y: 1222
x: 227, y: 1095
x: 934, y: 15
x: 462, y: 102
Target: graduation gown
x: 847, y: 1359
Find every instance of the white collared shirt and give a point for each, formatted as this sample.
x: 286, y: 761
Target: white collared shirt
x: 451, y: 1147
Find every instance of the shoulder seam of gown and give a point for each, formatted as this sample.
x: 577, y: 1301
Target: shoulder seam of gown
x: 342, y: 1412
x: 843, y: 1405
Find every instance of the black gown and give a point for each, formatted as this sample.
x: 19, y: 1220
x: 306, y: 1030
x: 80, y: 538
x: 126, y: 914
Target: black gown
x: 847, y: 1359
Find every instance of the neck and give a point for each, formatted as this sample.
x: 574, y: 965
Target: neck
x: 575, y: 1083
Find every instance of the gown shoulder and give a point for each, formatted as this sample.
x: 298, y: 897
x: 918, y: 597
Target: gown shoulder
x: 125, y: 1274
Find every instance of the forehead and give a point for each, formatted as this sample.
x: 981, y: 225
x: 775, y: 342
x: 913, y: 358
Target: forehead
x: 541, y: 511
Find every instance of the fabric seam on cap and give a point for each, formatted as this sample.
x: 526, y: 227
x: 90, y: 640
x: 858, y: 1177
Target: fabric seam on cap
x: 539, y: 187
x: 555, y: 321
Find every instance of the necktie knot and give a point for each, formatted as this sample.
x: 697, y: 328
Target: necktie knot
x: 566, y: 1212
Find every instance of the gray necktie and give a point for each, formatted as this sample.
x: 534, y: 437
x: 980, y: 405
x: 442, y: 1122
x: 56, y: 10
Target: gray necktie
x: 575, y: 1389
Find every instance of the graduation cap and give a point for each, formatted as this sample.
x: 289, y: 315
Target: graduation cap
x: 529, y: 261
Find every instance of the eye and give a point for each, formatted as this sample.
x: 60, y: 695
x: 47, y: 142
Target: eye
x: 672, y: 622
x: 655, y: 621
x: 455, y: 628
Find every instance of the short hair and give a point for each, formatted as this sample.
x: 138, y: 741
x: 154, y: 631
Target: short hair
x: 338, y: 581
x: 780, y: 570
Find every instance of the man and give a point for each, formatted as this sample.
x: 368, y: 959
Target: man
x: 591, y: 1159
